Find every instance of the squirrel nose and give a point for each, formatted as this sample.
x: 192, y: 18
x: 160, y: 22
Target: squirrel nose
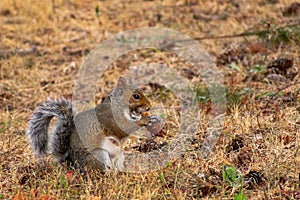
x: 148, y: 108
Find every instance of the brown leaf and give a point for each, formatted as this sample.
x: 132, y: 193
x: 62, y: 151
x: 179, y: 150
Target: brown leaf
x: 256, y: 48
x: 45, y: 197
x: 20, y: 196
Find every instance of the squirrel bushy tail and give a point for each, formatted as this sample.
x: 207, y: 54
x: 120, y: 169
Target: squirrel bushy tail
x: 59, y: 143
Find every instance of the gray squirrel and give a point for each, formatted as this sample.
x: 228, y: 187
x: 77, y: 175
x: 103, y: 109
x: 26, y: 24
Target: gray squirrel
x: 94, y: 137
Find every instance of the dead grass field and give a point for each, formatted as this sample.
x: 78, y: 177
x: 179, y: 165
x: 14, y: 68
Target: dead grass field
x: 43, y: 43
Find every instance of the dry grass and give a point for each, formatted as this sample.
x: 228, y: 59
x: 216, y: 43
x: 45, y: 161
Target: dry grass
x: 65, y: 31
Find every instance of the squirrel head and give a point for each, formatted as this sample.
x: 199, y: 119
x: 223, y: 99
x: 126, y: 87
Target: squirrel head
x: 133, y: 98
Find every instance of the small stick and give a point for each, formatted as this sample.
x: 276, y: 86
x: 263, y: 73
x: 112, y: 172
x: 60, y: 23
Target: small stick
x: 281, y: 89
x: 19, y: 52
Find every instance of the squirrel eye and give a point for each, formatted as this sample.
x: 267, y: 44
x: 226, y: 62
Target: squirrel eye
x: 136, y: 96
x: 113, y: 141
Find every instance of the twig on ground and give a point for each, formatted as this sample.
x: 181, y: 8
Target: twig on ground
x: 19, y: 52
x: 280, y: 90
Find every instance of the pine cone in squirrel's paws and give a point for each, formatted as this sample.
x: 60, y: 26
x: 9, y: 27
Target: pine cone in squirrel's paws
x: 155, y: 126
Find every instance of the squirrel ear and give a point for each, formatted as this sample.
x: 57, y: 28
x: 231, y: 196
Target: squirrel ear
x: 121, y: 85
x: 121, y: 82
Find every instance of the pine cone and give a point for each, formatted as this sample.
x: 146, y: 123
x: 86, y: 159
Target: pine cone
x: 244, y: 157
x: 280, y: 65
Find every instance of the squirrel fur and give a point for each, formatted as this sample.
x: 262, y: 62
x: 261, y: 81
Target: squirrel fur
x: 94, y: 137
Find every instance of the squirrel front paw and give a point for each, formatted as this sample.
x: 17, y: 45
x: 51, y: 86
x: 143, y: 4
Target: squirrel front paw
x: 144, y: 121
x: 148, y: 120
x: 155, y: 126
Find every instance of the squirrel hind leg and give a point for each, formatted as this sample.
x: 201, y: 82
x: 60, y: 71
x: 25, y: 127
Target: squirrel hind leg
x: 65, y: 158
x: 102, y: 158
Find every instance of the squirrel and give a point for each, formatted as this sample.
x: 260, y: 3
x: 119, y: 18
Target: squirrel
x: 94, y: 137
